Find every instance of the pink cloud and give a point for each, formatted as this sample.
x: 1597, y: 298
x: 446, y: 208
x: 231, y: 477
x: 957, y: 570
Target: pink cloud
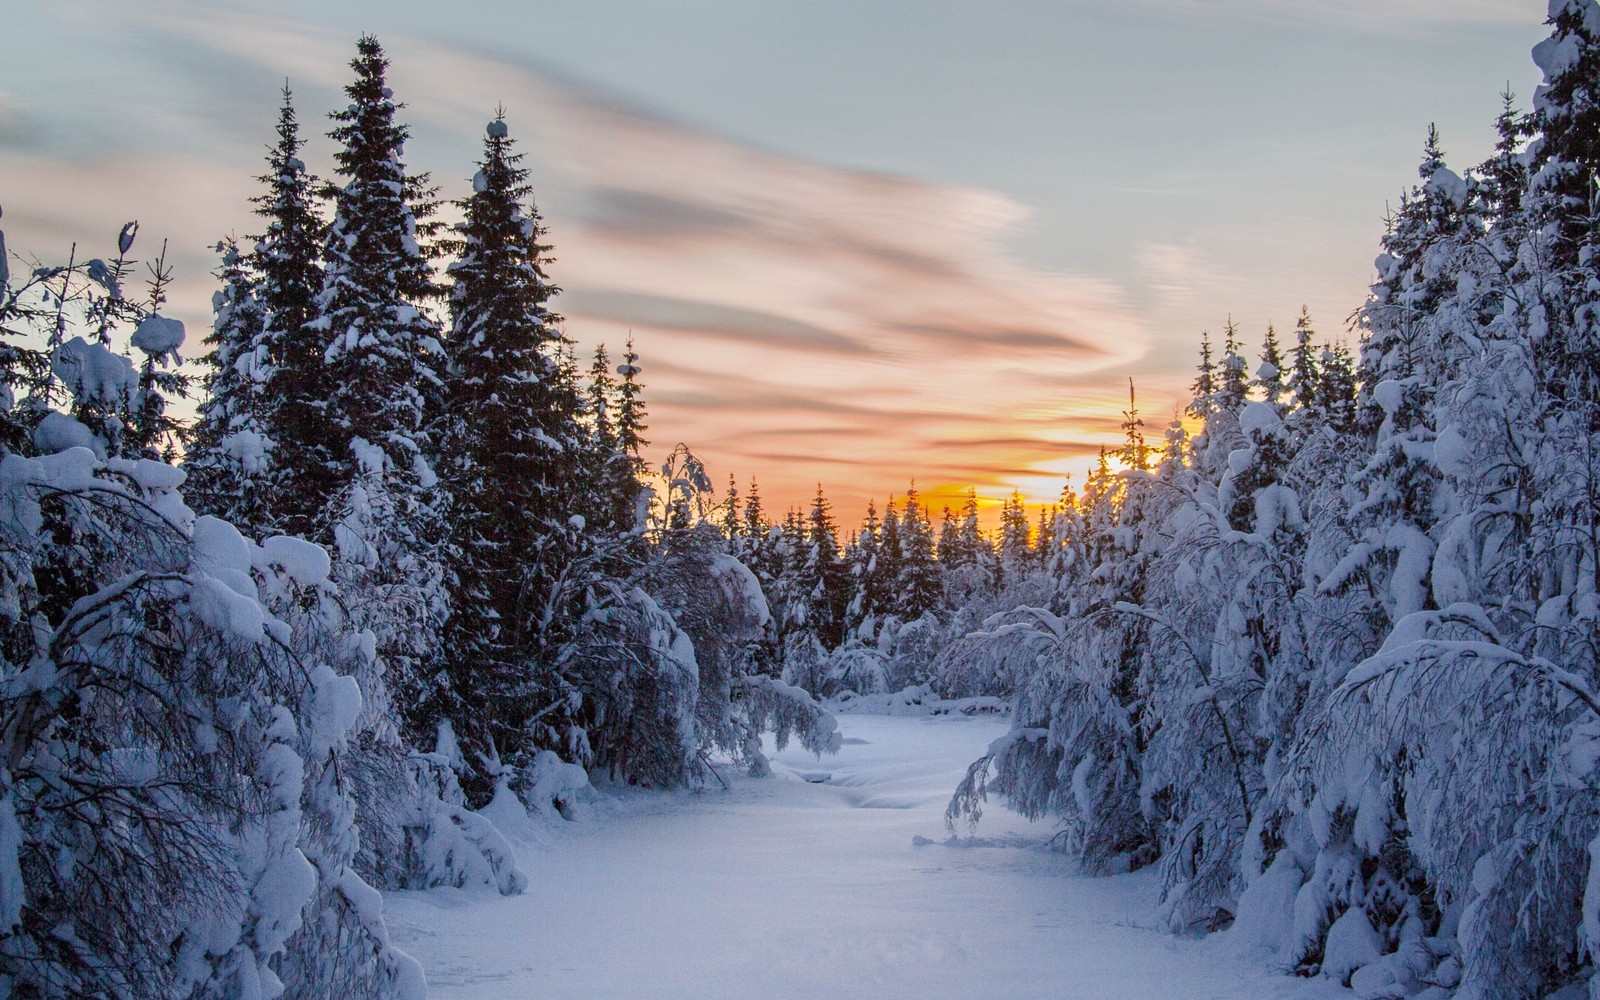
x: 796, y: 320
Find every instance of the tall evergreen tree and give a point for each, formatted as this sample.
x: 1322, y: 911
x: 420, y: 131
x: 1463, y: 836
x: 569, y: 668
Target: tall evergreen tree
x: 287, y: 260
x: 918, y: 588
x: 384, y: 377
x: 825, y: 572
x: 1205, y: 382
x: 508, y: 445
x: 1134, y: 454
x: 869, y: 598
x: 1234, y: 385
x: 1304, y: 373
x: 1269, y: 376
x: 1015, y: 551
x: 382, y: 349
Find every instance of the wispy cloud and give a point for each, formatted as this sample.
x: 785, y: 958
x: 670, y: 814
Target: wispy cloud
x: 879, y: 319
x: 1363, y: 14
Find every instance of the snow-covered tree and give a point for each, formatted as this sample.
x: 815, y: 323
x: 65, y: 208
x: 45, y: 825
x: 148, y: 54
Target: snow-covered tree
x: 510, y: 543
x: 385, y: 515
x: 287, y: 261
x: 229, y: 446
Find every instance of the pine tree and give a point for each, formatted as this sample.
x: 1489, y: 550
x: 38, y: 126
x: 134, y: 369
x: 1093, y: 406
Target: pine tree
x: 384, y: 357
x: 382, y: 349
x: 869, y: 598
x: 288, y: 265
x: 949, y: 550
x: 1235, y: 383
x: 1304, y: 374
x: 631, y: 410
x: 620, y: 488
x: 509, y: 443
x: 889, y: 556
x: 229, y: 446
x: 917, y: 586
x: 1564, y: 157
x: 1504, y: 176
x: 150, y: 432
x: 728, y: 511
x: 1205, y: 383
x: 1269, y: 377
x: 1015, y: 552
x: 1337, y: 388
x: 1134, y: 454
x: 976, y: 550
x: 825, y: 573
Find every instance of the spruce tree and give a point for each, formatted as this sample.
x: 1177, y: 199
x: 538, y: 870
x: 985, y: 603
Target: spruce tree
x: 830, y: 594
x: 620, y: 489
x: 1205, y: 382
x: 1269, y: 377
x: 1304, y: 372
x: 889, y: 557
x: 287, y: 262
x: 1016, y: 553
x: 728, y: 512
x: 229, y: 446
x: 918, y: 587
x: 384, y: 359
x: 950, y: 552
x: 1134, y: 454
x: 508, y: 445
x: 382, y: 348
x: 1235, y: 382
x: 868, y: 597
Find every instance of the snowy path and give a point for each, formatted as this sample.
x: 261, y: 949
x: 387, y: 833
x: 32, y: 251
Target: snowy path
x: 783, y: 889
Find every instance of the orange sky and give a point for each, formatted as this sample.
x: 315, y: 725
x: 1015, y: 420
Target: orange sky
x: 801, y: 318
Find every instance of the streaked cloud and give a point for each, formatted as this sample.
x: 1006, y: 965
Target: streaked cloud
x: 797, y: 320
x: 1363, y: 14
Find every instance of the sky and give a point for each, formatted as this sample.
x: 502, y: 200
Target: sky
x: 856, y: 243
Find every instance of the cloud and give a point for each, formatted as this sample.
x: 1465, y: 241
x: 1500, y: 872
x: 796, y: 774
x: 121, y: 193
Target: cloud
x: 1363, y: 14
x: 14, y: 130
x: 708, y: 319
x: 642, y: 214
x: 881, y: 318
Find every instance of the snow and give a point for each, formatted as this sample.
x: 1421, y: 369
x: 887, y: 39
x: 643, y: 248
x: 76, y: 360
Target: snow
x: 1449, y: 184
x: 159, y: 336
x: 92, y: 371
x: 148, y: 474
x: 1389, y: 394
x: 1454, y: 453
x: 1352, y: 944
x: 1260, y: 931
x: 248, y: 449
x: 306, y: 563
x: 369, y: 457
x: 218, y: 545
x: 58, y: 432
x: 223, y: 608
x: 1260, y: 418
x: 781, y: 888
x: 741, y: 586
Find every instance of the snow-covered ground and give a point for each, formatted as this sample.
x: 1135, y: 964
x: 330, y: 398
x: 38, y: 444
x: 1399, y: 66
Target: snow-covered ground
x: 793, y: 888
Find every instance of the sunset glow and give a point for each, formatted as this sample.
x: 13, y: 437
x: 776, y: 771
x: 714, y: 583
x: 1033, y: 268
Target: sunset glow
x: 798, y: 320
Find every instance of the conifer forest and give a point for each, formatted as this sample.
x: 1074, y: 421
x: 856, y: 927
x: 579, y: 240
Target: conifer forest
x: 414, y: 594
